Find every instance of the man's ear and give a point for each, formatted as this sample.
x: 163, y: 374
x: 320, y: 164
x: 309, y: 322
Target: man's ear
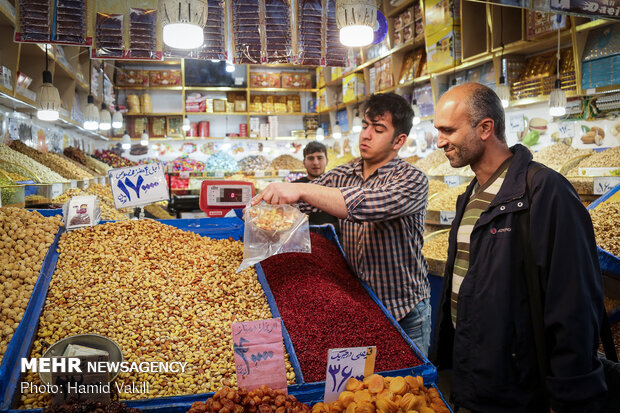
x: 399, y: 141
x: 487, y: 128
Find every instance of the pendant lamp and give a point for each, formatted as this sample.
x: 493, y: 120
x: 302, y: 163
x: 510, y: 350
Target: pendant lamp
x: 183, y: 22
x: 356, y: 20
x: 126, y: 141
x: 48, y: 98
x: 557, y: 98
x: 91, y: 113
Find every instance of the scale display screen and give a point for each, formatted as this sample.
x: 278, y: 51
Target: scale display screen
x: 230, y: 195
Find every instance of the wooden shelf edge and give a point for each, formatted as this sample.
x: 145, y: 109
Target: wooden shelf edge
x: 6, y: 90
x: 280, y: 89
x: 154, y: 114
x: 215, y: 89
x: 595, y: 24
x: 399, y: 9
x: 538, y: 99
x: 171, y: 88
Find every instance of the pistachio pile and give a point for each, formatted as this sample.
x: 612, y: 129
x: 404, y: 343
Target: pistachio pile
x: 55, y: 162
x: 42, y: 172
x: 446, y: 200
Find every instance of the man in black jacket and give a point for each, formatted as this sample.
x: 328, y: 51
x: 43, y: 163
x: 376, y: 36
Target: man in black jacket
x: 485, y: 332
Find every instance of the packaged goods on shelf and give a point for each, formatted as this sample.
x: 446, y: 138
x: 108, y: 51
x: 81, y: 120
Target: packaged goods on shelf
x: 287, y: 162
x: 414, y: 66
x: 296, y: 80
x: 322, y: 99
x: 431, y: 160
x: 264, y: 79
x: 132, y: 77
x: 133, y: 103
x: 441, y: 14
x: 243, y: 401
x: 164, y: 77
x: 353, y: 87
x: 305, y: 285
x: 601, y: 72
x: 146, y: 103
x: 383, y: 74
x: 51, y: 160
x: 43, y: 174
x: 602, y: 42
x: 605, y: 218
x: 386, y: 394
x: 195, y: 102
x: 443, y: 49
x: 117, y: 269
x: 26, y: 238
x: 538, y: 76
x: 539, y: 24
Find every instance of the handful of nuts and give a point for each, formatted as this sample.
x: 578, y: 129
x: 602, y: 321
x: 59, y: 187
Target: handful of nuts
x: 385, y: 394
x: 273, y: 217
x: 595, y: 135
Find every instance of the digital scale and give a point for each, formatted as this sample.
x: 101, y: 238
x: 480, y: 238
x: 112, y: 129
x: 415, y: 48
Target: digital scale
x: 217, y: 198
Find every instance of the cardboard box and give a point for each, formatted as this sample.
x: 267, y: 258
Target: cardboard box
x: 264, y: 79
x: 164, y: 77
x: 320, y: 76
x: 439, y: 15
x: 336, y: 73
x: 296, y: 80
x: 540, y: 24
x: 322, y: 99
x: 383, y: 74
x: 353, y: 87
x: 443, y: 49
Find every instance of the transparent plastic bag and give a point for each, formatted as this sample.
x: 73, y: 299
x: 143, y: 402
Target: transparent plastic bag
x: 271, y: 230
x: 81, y: 211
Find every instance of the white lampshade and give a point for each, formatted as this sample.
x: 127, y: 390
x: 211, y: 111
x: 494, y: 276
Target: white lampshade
x: 183, y: 22
x: 320, y: 134
x: 186, y: 125
x: 337, y: 132
x: 503, y: 92
x: 416, y: 113
x: 126, y: 141
x: 105, y: 118
x: 48, y: 99
x: 117, y: 119
x: 91, y: 115
x: 557, y: 101
x: 356, y: 127
x: 230, y: 67
x: 144, y: 138
x: 356, y: 20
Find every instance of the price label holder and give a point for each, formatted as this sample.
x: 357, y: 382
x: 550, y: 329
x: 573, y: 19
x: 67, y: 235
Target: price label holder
x: 86, y: 183
x: 566, y: 130
x: 56, y: 190
x: 344, y: 363
x: 74, y: 184
x: 219, y: 174
x: 184, y: 174
x: 516, y: 124
x: 259, y: 174
x: 283, y: 173
x: 446, y: 217
x: 85, y: 385
x: 604, y: 184
x: 259, y: 354
x: 80, y: 212
x: 452, y: 180
x: 140, y: 185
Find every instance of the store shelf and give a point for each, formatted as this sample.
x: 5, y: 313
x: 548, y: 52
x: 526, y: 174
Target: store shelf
x: 602, y: 89
x: 281, y: 114
x: 217, y: 113
x: 280, y: 89
x: 529, y: 47
x: 538, y: 99
x: 171, y: 88
x: 487, y: 57
x: 595, y: 24
x: 154, y: 114
x: 215, y: 89
x: 399, y: 9
x: 6, y: 91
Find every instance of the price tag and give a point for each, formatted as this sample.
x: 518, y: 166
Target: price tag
x: 446, y: 217
x: 259, y: 174
x: 85, y: 385
x: 259, y: 354
x: 566, y: 130
x: 73, y: 184
x: 283, y: 173
x: 81, y: 212
x: 56, y: 190
x: 344, y: 363
x: 138, y: 185
x: 604, y: 184
x: 452, y: 180
x: 86, y: 183
x: 184, y: 174
x: 516, y: 124
x: 219, y: 174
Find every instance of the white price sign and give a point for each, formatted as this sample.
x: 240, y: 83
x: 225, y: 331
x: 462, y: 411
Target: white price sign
x: 604, y: 184
x: 516, y: 124
x: 73, y: 184
x: 138, y: 185
x: 184, y: 174
x: 283, y: 173
x: 56, y: 190
x: 446, y: 217
x: 452, y: 180
x: 86, y: 183
x: 219, y: 174
x: 259, y: 174
x: 566, y: 130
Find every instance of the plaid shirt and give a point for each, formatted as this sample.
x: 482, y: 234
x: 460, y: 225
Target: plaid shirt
x: 383, y: 233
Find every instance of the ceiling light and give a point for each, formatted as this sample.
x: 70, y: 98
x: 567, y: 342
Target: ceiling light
x: 320, y: 134
x: 183, y: 22
x: 230, y: 67
x: 416, y: 112
x: 126, y: 141
x: 144, y: 138
x: 117, y: 119
x: 48, y: 98
x: 356, y: 127
x: 503, y: 92
x: 186, y: 125
x: 356, y: 20
x: 337, y: 132
x: 91, y: 114
x: 105, y: 119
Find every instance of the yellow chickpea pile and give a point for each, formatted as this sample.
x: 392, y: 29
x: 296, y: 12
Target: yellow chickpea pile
x: 25, y: 238
x: 385, y: 394
x: 162, y: 294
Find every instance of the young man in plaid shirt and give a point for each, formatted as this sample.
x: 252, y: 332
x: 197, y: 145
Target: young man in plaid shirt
x: 381, y: 203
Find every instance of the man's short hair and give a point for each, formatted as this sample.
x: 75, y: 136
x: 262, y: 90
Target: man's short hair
x: 484, y: 103
x: 401, y: 111
x: 314, y: 147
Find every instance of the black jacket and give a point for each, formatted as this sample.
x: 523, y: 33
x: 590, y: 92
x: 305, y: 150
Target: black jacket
x: 492, y: 352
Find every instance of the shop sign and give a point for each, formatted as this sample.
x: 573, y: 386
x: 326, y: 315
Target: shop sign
x: 600, y: 8
x: 259, y: 354
x: 344, y: 363
x: 446, y: 217
x: 139, y: 185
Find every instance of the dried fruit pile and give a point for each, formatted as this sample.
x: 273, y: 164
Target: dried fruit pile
x: 74, y: 406
x: 385, y: 394
x: 261, y: 400
x: 324, y: 306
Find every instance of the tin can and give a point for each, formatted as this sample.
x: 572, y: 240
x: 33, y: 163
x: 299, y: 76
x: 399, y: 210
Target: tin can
x: 193, y: 130
x: 243, y: 129
x: 203, y: 129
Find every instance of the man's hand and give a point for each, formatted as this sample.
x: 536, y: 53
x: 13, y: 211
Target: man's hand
x: 279, y: 193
